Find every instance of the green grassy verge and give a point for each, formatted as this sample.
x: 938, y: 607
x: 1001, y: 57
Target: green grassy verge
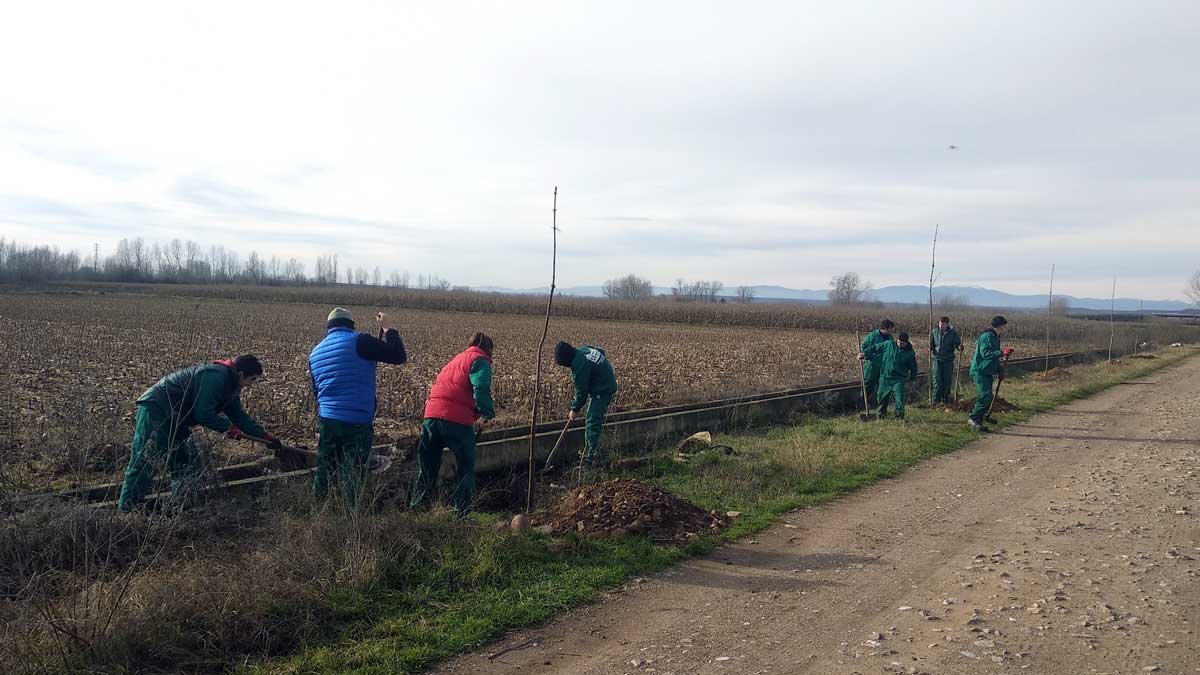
x: 468, y: 589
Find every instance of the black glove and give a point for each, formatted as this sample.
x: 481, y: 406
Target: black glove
x: 275, y: 444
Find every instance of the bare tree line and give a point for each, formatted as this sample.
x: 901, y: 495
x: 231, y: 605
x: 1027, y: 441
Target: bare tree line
x: 186, y: 262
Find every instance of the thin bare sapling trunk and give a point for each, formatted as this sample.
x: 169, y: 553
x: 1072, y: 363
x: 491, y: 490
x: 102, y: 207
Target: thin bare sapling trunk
x: 1049, y: 318
x: 932, y: 326
x: 537, y: 380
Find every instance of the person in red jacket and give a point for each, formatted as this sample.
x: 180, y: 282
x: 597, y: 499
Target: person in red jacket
x: 459, y: 402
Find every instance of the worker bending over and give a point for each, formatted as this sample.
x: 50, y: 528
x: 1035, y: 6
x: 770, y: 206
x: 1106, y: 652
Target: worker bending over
x: 207, y: 395
x: 595, y: 385
x: 459, y: 402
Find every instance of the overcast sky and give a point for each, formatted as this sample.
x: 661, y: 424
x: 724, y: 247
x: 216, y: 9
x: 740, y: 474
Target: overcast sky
x: 752, y: 142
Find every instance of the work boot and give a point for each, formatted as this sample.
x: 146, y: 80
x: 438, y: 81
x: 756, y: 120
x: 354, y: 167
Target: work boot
x: 991, y: 420
x: 976, y: 425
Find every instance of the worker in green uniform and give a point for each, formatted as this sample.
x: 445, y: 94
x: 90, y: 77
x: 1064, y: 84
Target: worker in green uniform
x: 874, y: 364
x: 207, y: 395
x: 899, y: 365
x: 985, y: 366
x: 459, y: 403
x: 944, y: 343
x: 595, y: 385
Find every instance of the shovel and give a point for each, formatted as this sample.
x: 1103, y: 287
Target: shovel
x: 294, y: 458
x: 862, y: 376
x: 290, y: 457
x: 1000, y: 381
x: 957, y: 380
x: 557, y: 443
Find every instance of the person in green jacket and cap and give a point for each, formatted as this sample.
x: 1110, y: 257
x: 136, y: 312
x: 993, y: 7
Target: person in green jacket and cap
x: 874, y: 364
x: 207, y: 395
x: 944, y: 343
x: 899, y: 366
x: 595, y: 385
x: 985, y: 366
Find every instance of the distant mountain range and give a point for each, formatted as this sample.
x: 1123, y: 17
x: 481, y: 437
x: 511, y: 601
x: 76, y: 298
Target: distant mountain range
x: 977, y: 296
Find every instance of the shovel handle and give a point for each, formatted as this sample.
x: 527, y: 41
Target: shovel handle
x: 263, y: 441
x: 557, y: 443
x: 999, y: 381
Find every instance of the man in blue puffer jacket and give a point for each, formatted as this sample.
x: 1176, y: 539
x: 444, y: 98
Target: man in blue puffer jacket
x: 343, y: 378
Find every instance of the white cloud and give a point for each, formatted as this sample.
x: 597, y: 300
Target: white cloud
x: 774, y: 142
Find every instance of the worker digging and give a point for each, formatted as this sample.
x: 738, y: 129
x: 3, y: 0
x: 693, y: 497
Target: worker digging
x: 595, y: 385
x: 459, y: 404
x: 207, y: 395
x: 986, y: 365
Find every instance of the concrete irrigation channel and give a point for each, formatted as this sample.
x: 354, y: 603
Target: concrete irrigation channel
x: 632, y: 431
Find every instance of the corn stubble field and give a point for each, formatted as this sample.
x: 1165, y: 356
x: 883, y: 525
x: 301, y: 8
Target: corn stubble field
x: 76, y: 359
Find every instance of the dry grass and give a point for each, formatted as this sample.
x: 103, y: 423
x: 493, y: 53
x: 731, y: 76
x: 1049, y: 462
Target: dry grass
x: 189, y: 592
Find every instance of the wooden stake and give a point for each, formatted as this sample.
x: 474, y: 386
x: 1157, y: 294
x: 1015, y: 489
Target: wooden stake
x: 1141, y: 319
x: 862, y: 376
x: 1112, y: 326
x: 537, y: 380
x: 932, y: 266
x: 1049, y: 317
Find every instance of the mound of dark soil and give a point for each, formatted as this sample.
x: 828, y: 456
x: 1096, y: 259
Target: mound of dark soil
x: 623, y: 506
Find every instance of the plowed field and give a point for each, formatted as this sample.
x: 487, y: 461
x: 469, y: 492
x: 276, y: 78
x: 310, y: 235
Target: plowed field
x: 75, y: 362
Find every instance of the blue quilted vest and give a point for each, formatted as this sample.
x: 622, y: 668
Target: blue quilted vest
x: 344, y: 382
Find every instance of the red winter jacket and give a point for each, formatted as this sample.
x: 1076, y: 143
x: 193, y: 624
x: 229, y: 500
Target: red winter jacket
x: 451, y: 398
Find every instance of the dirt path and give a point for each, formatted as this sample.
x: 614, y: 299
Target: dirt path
x: 1070, y: 544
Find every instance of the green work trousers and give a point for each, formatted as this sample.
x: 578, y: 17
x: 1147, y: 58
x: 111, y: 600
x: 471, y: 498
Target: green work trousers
x: 155, y: 443
x: 597, y: 408
x: 460, y: 439
x: 943, y: 381
x: 871, y: 375
x: 891, y: 391
x: 983, y: 396
x: 342, y: 455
